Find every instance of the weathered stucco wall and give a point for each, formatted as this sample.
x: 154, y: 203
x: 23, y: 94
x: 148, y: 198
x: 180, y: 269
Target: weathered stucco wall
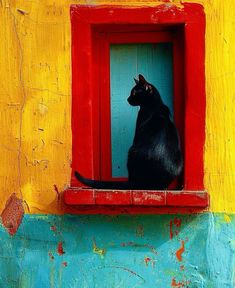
x: 35, y: 149
x: 163, y: 251
x: 36, y: 101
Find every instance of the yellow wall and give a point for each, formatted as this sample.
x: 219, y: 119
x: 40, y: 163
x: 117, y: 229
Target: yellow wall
x: 35, y: 90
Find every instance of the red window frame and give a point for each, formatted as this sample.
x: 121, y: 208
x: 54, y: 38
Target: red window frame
x: 93, y: 29
x: 104, y: 39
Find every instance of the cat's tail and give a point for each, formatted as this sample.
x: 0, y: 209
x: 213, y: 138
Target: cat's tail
x: 120, y: 185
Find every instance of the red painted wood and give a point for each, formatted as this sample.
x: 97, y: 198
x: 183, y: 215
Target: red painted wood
x: 195, y: 103
x: 105, y: 115
x: 86, y: 22
x: 113, y: 197
x: 139, y: 37
x: 131, y: 210
x: 104, y: 40
x: 136, y: 197
x: 79, y: 197
x: 179, y: 94
x: 187, y: 199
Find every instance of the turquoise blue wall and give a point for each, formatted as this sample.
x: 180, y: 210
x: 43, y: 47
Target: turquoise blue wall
x: 120, y: 252
x: 127, y: 61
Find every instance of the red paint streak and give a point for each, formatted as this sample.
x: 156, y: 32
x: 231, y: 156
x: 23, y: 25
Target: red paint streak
x: 147, y: 260
x: 65, y: 264
x: 53, y: 228
x: 179, y: 284
x: 60, y: 249
x: 180, y: 251
x: 12, y: 214
x: 51, y: 256
x: 177, y: 222
x: 171, y: 230
x: 57, y: 191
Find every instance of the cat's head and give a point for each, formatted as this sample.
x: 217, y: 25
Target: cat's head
x: 143, y: 92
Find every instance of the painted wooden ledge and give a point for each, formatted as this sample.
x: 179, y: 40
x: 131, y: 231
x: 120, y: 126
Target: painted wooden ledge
x: 170, y: 198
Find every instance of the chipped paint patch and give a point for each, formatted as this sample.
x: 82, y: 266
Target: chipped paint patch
x: 43, y: 109
x: 99, y: 251
x: 12, y: 214
x: 53, y: 228
x: 147, y: 260
x: 227, y: 218
x: 179, y: 284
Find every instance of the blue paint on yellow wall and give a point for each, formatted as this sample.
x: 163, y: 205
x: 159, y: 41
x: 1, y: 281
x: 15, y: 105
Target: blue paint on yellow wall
x: 119, y: 251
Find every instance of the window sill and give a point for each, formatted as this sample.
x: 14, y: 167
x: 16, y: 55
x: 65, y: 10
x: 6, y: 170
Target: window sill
x: 136, y: 198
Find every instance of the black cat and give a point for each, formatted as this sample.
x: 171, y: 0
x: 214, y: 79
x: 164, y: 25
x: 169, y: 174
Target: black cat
x: 155, y: 158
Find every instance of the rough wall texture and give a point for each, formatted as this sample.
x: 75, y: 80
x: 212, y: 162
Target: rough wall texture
x: 36, y: 101
x: 35, y: 149
x: 101, y: 251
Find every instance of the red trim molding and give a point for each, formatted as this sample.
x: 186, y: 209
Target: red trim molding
x: 87, y: 23
x: 82, y: 196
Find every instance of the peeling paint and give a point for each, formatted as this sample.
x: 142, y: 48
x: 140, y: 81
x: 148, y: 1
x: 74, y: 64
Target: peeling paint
x: 12, y: 214
x: 179, y: 284
x: 147, y: 260
x: 99, y: 251
x: 174, y: 223
x: 43, y: 109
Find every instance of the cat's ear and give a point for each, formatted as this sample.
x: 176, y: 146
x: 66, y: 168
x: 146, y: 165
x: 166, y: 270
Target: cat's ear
x: 145, y: 84
x: 149, y: 88
x: 136, y: 81
x: 142, y: 80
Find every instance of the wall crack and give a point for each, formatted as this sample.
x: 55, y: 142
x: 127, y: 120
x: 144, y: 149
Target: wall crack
x: 22, y: 106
